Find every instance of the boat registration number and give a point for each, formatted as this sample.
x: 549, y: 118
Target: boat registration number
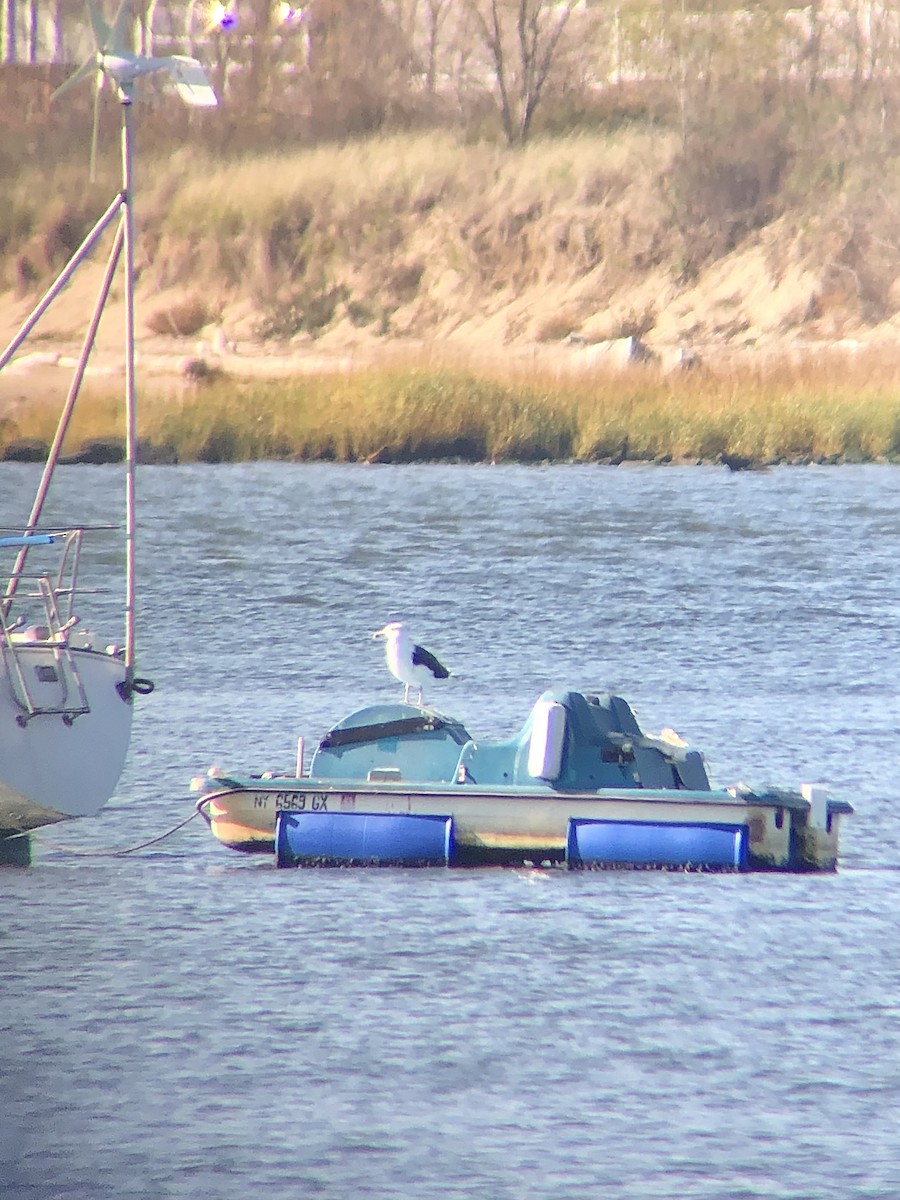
x: 308, y: 801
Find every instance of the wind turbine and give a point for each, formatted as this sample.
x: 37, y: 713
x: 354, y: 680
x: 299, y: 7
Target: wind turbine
x: 110, y: 61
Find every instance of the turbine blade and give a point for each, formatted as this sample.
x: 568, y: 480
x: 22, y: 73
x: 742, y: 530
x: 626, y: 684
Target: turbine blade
x: 117, y: 43
x: 84, y: 72
x: 191, y: 81
x: 97, y: 90
x: 99, y: 26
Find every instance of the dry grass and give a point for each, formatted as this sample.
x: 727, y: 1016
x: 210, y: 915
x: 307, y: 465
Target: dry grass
x: 416, y: 168
x: 343, y: 215
x: 226, y: 196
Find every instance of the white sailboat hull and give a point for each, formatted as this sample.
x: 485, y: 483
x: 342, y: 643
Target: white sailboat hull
x: 65, y: 759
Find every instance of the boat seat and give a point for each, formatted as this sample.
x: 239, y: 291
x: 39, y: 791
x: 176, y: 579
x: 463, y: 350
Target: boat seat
x: 489, y: 763
x: 607, y: 714
x: 691, y: 771
x: 592, y: 725
x: 604, y: 747
x: 508, y: 762
x: 625, y: 717
x: 591, y: 722
x: 653, y: 768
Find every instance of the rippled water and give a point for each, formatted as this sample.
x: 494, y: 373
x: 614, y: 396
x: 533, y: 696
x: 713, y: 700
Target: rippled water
x: 186, y: 1022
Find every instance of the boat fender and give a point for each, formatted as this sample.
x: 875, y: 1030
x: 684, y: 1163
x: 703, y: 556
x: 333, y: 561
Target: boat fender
x: 362, y: 839
x: 694, y: 846
x: 548, y: 736
x: 127, y: 688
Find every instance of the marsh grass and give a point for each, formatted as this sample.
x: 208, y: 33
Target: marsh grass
x: 412, y: 412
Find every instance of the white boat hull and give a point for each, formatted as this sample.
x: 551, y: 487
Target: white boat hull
x: 63, y: 763
x: 498, y: 824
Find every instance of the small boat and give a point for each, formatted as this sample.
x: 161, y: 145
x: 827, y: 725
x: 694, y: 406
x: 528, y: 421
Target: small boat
x: 580, y: 784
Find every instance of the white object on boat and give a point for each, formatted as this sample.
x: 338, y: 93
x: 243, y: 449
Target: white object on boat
x: 548, y: 737
x: 818, y: 796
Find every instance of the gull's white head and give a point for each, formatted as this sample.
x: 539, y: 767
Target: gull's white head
x: 390, y: 632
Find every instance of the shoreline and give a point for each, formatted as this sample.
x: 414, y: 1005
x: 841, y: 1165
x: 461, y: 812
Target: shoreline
x: 568, y: 401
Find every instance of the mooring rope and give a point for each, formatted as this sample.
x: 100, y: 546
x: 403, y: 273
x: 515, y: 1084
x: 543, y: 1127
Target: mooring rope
x: 123, y: 850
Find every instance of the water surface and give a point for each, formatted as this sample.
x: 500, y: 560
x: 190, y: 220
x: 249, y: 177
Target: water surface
x: 187, y: 1022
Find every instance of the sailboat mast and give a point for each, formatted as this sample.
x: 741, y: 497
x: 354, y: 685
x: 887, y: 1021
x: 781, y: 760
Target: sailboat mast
x: 126, y: 95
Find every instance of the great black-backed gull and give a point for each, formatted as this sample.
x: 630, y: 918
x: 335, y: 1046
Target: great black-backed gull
x: 413, y: 665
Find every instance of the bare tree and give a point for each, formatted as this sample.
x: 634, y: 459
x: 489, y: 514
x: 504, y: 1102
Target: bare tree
x: 9, y: 31
x: 522, y: 39
x: 421, y: 26
x: 55, y: 32
x: 358, y: 64
x: 436, y: 12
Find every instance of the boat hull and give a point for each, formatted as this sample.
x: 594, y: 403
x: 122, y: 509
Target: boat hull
x: 64, y: 760
x: 507, y: 825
